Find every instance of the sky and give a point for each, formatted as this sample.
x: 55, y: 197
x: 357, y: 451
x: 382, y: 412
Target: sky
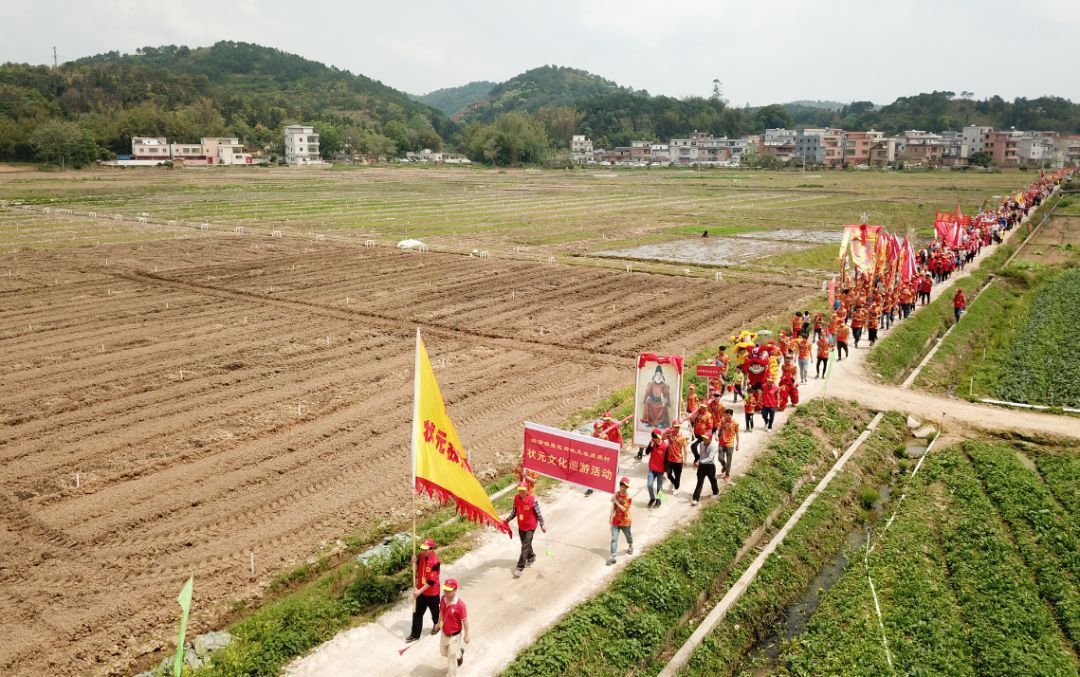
x: 762, y: 51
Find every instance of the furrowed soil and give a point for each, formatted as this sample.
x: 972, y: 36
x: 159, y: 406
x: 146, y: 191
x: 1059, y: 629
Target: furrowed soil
x: 219, y: 395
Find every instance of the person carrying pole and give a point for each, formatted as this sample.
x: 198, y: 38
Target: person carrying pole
x: 426, y: 589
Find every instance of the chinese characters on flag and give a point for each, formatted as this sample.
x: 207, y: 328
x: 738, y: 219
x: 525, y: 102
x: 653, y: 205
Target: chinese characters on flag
x: 570, y: 457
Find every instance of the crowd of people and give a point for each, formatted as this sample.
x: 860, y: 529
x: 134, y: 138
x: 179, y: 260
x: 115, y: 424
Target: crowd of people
x: 762, y: 373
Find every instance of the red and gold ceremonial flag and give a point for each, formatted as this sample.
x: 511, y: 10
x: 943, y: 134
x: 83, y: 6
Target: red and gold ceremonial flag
x: 861, y: 242
x: 440, y: 463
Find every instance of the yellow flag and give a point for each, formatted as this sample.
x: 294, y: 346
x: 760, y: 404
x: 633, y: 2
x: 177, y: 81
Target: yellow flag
x: 440, y: 463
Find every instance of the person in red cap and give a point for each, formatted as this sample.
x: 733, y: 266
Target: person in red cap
x: 455, y: 627
x: 425, y: 590
x: 527, y: 511
x: 657, y: 466
x: 620, y: 519
x: 607, y: 428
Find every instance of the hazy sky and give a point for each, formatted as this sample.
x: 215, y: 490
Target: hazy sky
x: 764, y: 51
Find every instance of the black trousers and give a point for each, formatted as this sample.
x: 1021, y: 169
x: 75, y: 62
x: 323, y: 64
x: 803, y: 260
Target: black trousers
x: 822, y: 366
x: 749, y: 420
x: 767, y: 415
x: 706, y: 470
x: 423, y: 603
x: 841, y: 349
x: 527, y: 554
x: 674, y: 472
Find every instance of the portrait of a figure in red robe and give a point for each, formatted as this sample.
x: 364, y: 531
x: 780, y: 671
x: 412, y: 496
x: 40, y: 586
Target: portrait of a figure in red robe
x: 656, y: 404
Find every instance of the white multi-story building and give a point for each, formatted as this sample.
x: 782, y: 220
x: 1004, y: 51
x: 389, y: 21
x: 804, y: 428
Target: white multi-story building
x: 974, y: 137
x: 301, y: 145
x: 581, y: 148
x: 150, y: 148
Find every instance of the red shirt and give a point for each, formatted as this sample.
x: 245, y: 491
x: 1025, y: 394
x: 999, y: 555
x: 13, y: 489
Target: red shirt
x: 525, y: 511
x: 427, y: 573
x: 621, y: 518
x: 769, y: 395
x: 452, y: 615
x: 728, y: 431
x: 959, y: 301
x: 657, y: 457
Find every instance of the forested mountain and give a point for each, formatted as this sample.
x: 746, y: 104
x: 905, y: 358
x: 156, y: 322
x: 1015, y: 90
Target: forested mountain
x: 243, y: 89
x: 454, y: 100
x: 938, y: 111
x: 543, y: 87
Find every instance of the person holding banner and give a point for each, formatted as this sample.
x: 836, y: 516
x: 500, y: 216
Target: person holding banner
x: 527, y: 511
x: 426, y: 589
x: 620, y: 519
x: 455, y: 627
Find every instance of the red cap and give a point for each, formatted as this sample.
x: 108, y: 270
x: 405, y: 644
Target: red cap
x: 428, y: 544
x: 625, y: 481
x: 450, y: 584
x: 523, y: 486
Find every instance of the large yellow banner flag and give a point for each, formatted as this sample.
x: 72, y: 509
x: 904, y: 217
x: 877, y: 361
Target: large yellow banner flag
x: 440, y: 463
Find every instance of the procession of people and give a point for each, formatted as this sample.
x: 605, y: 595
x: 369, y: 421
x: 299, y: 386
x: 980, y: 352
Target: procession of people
x: 762, y: 375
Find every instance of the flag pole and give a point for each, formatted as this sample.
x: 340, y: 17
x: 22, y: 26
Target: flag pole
x: 412, y: 452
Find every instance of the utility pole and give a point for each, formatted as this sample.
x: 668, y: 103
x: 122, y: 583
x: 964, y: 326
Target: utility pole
x: 54, y: 64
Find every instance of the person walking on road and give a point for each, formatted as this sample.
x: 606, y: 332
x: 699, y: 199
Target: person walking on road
x: 676, y: 447
x: 706, y: 469
x: 770, y: 399
x: 455, y: 627
x: 749, y: 409
x: 527, y: 511
x: 425, y: 590
x: 729, y: 442
x: 657, y: 451
x: 702, y: 424
x: 620, y: 519
x: 959, y: 303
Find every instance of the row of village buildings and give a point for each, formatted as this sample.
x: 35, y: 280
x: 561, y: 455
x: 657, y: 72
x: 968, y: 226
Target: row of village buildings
x: 301, y: 148
x: 833, y: 147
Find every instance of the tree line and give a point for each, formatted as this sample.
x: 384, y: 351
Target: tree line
x: 89, y: 109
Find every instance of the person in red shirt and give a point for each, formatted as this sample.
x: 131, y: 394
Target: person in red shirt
x: 926, y: 283
x: 425, y: 589
x: 657, y: 451
x: 692, y: 399
x: 959, y: 303
x: 620, y: 519
x: 607, y: 428
x: 873, y: 320
x: 455, y: 627
x: 796, y: 324
x: 729, y: 442
x: 749, y: 409
x: 858, y: 321
x: 770, y: 398
x: 819, y: 325
x: 843, y: 332
x: 822, y: 358
x: 673, y: 464
x: 804, y: 356
x: 527, y: 511
x: 703, y: 426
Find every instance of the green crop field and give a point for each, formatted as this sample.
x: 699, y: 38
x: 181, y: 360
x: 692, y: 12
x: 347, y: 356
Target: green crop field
x: 508, y: 212
x: 977, y: 575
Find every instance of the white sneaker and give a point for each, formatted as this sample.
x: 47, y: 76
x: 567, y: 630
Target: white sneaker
x: 693, y: 502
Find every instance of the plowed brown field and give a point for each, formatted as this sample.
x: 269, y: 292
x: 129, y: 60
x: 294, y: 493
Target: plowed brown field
x: 168, y: 376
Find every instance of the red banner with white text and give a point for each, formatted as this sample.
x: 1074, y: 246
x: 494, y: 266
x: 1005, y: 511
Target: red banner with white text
x: 589, y: 461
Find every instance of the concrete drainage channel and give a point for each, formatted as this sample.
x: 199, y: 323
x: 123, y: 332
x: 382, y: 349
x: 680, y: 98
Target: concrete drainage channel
x: 794, y: 618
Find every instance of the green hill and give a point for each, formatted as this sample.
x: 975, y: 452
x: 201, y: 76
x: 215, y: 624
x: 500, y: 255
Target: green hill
x: 546, y: 86
x: 454, y: 100
x: 184, y: 93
